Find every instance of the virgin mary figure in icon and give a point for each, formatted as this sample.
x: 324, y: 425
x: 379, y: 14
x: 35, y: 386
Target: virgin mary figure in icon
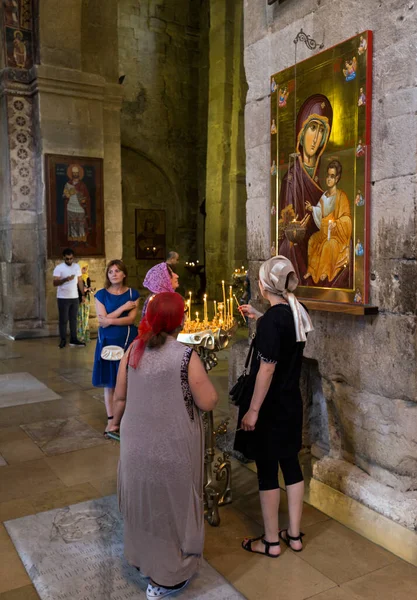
x: 301, y: 183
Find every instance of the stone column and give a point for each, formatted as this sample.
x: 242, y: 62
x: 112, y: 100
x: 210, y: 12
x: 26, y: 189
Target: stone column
x: 225, y: 187
x: 19, y: 232
x: 19, y: 254
x: 69, y: 105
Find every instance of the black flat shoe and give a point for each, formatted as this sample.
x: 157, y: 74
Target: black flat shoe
x: 247, y: 545
x: 62, y: 344
x: 289, y: 538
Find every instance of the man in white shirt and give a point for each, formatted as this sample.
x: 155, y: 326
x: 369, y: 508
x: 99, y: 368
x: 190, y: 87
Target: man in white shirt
x: 68, y: 280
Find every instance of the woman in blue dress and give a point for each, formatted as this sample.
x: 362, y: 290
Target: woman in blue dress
x: 116, y: 308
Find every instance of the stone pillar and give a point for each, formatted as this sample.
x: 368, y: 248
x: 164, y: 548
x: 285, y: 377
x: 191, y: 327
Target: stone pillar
x: 69, y: 104
x: 225, y: 187
x: 19, y: 221
x: 20, y: 236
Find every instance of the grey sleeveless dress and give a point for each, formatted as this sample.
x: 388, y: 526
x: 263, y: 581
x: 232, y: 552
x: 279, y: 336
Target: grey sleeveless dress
x: 160, y: 474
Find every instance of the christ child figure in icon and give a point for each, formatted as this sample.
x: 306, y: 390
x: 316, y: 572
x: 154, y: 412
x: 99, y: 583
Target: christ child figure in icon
x: 329, y: 248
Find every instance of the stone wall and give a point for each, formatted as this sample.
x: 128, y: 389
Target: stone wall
x: 79, y: 100
x: 70, y: 106
x: 361, y: 400
x: 163, y: 121
x: 225, y: 188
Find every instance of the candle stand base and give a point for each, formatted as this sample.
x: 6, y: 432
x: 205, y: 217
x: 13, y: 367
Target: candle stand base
x: 217, y: 487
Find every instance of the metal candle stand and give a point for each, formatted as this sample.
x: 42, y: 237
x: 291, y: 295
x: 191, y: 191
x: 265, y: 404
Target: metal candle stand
x: 217, y: 475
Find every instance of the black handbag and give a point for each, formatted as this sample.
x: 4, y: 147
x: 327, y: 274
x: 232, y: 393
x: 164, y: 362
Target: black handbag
x: 244, y: 386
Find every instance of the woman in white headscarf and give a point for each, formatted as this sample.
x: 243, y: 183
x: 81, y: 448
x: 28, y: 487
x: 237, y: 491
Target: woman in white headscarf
x: 270, y: 429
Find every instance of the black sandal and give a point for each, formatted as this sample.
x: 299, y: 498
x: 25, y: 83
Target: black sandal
x: 289, y: 538
x: 247, y: 545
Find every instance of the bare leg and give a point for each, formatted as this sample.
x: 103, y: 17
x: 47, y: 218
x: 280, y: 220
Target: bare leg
x: 295, y: 495
x: 108, y: 401
x: 269, y: 505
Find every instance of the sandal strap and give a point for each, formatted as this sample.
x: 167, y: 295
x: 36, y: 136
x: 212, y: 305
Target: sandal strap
x: 268, y: 545
x: 294, y: 539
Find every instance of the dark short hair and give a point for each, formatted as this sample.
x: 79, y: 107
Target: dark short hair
x: 68, y: 251
x: 337, y: 166
x: 172, y: 254
x: 120, y: 265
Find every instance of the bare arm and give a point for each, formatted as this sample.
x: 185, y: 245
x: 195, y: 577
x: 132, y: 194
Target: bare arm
x: 263, y: 381
x: 80, y: 284
x: 202, y: 389
x: 106, y: 320
x: 126, y: 306
x: 58, y: 281
x: 100, y: 308
x: 247, y: 310
x: 120, y: 393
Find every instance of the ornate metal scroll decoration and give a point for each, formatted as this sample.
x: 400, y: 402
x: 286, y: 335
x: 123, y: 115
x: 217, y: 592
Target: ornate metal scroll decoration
x: 218, y: 476
x: 308, y: 41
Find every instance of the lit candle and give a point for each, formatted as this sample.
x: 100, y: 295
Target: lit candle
x: 215, y: 309
x: 224, y: 294
x: 205, y: 308
x: 231, y: 304
x: 227, y: 312
x: 237, y: 304
x: 189, y: 301
x: 196, y: 317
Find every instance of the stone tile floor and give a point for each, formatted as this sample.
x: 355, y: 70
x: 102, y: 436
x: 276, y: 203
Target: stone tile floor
x: 337, y: 563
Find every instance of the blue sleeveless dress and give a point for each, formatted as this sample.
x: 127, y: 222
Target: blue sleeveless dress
x: 105, y: 371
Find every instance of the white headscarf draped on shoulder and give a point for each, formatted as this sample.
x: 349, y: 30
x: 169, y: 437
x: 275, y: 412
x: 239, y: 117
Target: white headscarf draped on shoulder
x: 278, y: 277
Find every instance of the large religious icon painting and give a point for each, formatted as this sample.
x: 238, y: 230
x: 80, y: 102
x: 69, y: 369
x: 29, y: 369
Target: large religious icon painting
x: 74, y: 193
x: 320, y: 170
x: 150, y: 234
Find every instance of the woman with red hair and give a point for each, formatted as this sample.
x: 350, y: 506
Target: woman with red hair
x: 161, y: 389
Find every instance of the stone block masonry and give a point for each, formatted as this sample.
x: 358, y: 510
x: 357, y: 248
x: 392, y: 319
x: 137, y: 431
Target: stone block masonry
x: 362, y: 409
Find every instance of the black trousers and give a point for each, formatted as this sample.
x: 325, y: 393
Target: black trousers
x: 268, y: 472
x: 68, y: 311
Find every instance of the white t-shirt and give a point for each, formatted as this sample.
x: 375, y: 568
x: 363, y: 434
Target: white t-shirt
x: 69, y: 289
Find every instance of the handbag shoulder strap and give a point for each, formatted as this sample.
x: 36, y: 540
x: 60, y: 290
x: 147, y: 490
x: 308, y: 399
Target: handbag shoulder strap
x: 250, y: 353
x: 127, y: 337
x: 128, y: 328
